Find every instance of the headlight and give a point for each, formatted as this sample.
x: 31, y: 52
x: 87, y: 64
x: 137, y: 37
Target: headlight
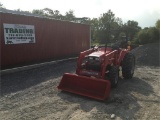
x: 97, y: 59
x: 94, y: 59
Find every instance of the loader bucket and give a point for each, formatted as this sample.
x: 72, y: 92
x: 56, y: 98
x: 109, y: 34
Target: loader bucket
x: 85, y: 86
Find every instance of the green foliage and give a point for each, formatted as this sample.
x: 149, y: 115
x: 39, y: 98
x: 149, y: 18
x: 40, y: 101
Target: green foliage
x: 108, y: 28
x: 148, y: 35
x: 158, y: 24
x: 94, y: 29
x: 38, y: 12
x: 69, y: 16
x: 19, y: 10
x: 143, y: 36
x: 131, y: 28
x: 94, y: 43
x: 102, y: 27
x: 121, y: 34
x: 1, y: 5
x: 52, y: 14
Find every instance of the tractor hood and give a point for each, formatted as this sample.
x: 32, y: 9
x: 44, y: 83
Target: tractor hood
x: 100, y: 52
x: 96, y: 54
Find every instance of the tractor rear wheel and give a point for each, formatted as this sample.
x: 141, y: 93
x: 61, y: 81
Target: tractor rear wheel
x: 128, y: 65
x: 113, y: 76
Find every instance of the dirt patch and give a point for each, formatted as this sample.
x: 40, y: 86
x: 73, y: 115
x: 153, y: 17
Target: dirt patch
x: 33, y: 94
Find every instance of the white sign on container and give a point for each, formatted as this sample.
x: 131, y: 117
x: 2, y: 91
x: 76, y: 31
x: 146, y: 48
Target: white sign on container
x: 18, y: 33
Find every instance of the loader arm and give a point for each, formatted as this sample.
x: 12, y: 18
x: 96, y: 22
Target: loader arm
x: 109, y: 59
x: 81, y: 58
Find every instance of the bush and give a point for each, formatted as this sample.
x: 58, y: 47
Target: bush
x: 148, y: 35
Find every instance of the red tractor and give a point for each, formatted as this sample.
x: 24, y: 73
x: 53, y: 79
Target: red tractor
x: 98, y: 70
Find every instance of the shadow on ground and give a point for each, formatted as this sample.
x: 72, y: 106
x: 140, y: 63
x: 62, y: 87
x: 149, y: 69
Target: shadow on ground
x: 17, y: 81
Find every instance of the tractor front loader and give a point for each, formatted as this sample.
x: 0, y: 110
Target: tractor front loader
x: 97, y: 71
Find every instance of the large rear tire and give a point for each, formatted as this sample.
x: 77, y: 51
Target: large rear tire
x: 128, y: 65
x: 114, y: 76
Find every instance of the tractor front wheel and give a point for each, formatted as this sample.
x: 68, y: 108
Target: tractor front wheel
x: 128, y: 66
x: 114, y: 76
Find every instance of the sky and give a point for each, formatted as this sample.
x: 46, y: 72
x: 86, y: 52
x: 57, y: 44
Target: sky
x: 145, y: 12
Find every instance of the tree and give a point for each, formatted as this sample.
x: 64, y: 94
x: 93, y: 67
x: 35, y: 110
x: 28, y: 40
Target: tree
x: 107, y: 22
x: 38, y: 12
x: 69, y: 16
x: 131, y: 28
x: 158, y: 24
x: 84, y: 20
x: 1, y: 5
x: 47, y: 12
x: 109, y: 28
x: 19, y: 10
x: 148, y: 35
x: 143, y: 36
x: 94, y: 29
x: 58, y: 15
x: 153, y: 34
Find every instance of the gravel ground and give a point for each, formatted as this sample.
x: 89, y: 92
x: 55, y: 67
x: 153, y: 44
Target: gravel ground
x: 33, y: 94
x: 148, y: 55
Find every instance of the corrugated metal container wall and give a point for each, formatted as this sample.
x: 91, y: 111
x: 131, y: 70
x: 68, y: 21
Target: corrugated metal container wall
x: 54, y: 39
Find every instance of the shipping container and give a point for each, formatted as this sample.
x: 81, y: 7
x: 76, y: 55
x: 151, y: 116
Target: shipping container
x: 54, y: 39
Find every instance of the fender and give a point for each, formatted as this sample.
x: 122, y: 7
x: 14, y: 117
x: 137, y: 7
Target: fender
x: 121, y: 56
